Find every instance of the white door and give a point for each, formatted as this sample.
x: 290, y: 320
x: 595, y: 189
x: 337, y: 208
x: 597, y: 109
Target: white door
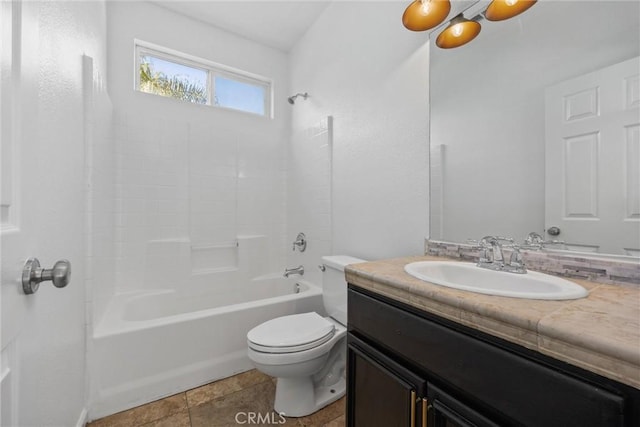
x: 593, y: 160
x: 42, y: 335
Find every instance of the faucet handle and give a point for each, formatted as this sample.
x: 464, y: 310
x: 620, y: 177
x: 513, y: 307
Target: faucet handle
x: 537, y: 242
x: 484, y: 255
x: 533, y: 238
x: 300, y: 242
x: 495, y: 240
x: 505, y: 239
x: 516, y: 255
x: 516, y: 261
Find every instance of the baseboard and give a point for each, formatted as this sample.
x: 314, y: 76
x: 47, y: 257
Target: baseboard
x: 82, y: 419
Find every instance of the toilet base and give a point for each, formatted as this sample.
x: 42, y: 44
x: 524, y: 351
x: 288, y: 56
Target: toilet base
x: 297, y: 397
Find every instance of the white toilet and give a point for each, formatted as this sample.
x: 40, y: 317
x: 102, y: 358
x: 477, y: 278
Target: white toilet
x: 307, y: 352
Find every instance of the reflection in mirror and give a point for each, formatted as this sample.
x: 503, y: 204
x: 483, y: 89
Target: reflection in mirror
x: 527, y: 83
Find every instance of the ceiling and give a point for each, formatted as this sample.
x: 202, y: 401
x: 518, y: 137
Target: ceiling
x: 279, y: 24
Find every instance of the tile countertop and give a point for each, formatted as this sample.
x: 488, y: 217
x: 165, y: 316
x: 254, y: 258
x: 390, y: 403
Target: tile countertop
x: 599, y: 333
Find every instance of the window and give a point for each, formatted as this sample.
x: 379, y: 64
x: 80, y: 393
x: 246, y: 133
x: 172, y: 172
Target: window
x: 177, y: 75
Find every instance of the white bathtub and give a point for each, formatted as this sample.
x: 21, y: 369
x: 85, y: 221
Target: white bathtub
x: 152, y: 344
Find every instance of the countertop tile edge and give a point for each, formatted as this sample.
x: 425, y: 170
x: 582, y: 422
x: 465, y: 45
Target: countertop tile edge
x: 624, y: 372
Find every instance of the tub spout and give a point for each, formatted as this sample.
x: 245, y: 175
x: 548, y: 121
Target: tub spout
x: 298, y: 270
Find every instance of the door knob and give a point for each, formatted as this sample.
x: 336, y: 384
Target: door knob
x: 32, y: 275
x: 553, y: 231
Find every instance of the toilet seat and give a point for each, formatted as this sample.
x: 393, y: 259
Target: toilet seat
x: 289, y: 334
x: 283, y: 359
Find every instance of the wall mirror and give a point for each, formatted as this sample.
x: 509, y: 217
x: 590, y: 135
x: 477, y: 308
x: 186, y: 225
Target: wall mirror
x: 523, y: 137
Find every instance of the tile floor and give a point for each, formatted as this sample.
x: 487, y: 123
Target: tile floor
x: 216, y: 405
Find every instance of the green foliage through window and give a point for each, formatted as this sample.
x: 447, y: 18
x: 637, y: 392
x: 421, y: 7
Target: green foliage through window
x: 178, y: 87
x: 165, y: 72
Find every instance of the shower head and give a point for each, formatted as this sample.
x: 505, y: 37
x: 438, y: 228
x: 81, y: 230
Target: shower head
x: 292, y: 99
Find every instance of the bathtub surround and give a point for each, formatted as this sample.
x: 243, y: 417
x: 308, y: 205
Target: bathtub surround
x: 190, y: 180
x: 199, y: 216
x: 100, y: 211
x: 100, y: 201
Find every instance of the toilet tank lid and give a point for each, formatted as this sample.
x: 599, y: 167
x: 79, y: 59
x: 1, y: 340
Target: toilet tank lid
x: 339, y: 262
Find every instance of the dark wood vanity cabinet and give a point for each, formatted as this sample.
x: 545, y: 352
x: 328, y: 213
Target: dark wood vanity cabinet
x: 406, y: 367
x: 382, y: 391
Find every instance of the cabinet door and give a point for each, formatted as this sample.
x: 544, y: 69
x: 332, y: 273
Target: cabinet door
x: 447, y: 411
x: 382, y: 392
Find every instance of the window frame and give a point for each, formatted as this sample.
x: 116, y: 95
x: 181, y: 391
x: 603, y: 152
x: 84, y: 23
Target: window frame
x: 213, y: 69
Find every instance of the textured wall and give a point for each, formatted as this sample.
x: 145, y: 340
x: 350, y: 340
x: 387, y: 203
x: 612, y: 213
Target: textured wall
x: 362, y: 67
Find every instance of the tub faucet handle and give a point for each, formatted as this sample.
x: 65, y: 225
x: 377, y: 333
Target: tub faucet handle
x: 300, y: 242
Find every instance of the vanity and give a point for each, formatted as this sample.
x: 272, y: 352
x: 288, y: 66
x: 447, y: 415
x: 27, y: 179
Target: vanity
x: 422, y: 354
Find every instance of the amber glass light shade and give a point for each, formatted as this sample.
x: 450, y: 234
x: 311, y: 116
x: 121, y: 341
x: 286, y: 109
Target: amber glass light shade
x: 459, y: 32
x: 500, y: 10
x: 422, y: 15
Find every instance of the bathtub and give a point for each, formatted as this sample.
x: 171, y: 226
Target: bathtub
x: 155, y: 343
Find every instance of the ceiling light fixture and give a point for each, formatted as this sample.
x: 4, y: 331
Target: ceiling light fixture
x: 500, y: 10
x: 423, y: 15
x: 459, y: 32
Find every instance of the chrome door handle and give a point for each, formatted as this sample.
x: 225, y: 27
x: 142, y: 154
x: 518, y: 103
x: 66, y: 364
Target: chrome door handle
x: 32, y: 275
x: 553, y: 231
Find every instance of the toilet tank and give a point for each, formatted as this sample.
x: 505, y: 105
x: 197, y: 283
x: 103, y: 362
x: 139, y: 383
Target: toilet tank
x: 334, y: 285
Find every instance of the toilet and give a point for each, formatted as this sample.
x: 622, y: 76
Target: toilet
x: 307, y: 352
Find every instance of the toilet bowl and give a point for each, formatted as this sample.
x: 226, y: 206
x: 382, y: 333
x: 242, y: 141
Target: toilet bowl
x: 307, y: 352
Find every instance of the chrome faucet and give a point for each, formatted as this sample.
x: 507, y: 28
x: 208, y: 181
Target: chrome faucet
x: 298, y: 270
x: 534, y: 239
x: 495, y: 261
x: 536, y: 242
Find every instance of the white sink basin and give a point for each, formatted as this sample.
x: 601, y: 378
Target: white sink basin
x: 469, y: 277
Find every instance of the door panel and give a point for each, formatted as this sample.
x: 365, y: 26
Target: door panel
x: 43, y: 335
x: 381, y: 392
x: 593, y: 160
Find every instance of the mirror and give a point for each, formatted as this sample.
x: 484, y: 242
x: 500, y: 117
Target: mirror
x: 488, y: 125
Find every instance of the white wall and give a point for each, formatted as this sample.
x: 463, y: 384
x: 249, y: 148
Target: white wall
x: 362, y: 67
x: 191, y: 175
